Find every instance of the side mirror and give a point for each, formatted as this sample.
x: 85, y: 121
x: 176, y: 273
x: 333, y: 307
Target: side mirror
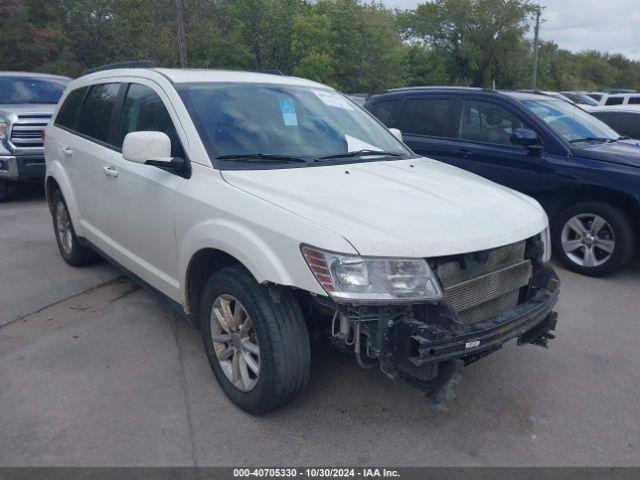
x: 147, y: 147
x: 525, y: 138
x: 396, y: 133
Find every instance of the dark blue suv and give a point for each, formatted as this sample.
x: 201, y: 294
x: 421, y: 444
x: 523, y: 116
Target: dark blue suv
x: 584, y: 174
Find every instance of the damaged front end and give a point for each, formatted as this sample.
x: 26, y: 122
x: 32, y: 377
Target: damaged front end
x: 489, y: 298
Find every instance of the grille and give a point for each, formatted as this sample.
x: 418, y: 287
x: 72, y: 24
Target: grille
x: 482, y: 285
x: 26, y: 132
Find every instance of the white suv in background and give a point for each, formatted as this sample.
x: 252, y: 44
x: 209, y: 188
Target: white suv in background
x: 269, y: 209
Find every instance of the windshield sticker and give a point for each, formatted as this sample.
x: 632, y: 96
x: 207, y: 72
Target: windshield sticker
x: 288, y: 110
x: 332, y: 99
x: 355, y: 144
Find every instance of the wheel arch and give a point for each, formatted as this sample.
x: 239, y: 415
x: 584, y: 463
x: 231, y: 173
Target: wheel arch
x: 56, y: 179
x: 202, y: 265
x: 215, y: 244
x: 569, y: 196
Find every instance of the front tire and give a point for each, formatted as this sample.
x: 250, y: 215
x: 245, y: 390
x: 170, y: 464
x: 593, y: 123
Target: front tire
x: 593, y: 238
x: 257, y: 343
x: 69, y: 246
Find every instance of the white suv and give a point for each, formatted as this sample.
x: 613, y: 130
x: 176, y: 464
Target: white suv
x: 271, y: 209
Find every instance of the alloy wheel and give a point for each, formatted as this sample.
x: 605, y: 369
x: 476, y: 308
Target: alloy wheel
x: 235, y: 342
x: 63, y: 230
x: 588, y: 240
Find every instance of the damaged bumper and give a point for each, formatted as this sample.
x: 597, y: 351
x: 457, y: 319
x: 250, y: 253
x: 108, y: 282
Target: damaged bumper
x: 532, y: 316
x: 424, y: 351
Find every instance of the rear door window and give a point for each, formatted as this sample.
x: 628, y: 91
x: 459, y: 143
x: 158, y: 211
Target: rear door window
x: 97, y: 111
x: 635, y: 100
x: 430, y: 117
x: 68, y: 114
x: 388, y: 112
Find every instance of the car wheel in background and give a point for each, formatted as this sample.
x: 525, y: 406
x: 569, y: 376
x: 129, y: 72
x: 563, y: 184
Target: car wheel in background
x: 70, y: 248
x: 593, y: 238
x: 257, y: 343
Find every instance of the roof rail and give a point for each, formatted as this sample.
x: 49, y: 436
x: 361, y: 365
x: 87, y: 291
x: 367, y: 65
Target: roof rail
x: 112, y: 66
x: 270, y: 71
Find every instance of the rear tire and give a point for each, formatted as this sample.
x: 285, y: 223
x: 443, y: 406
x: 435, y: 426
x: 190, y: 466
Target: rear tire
x: 593, y: 238
x: 69, y: 246
x: 273, y: 330
x: 4, y: 191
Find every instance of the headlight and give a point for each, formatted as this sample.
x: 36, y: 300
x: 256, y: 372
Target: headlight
x: 4, y: 129
x: 545, y: 236
x: 355, y: 279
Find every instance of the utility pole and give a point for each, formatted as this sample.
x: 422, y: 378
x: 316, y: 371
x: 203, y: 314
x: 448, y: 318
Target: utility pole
x: 534, y: 79
x: 182, y: 47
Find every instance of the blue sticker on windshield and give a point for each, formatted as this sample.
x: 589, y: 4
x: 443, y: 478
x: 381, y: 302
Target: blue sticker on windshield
x: 288, y: 110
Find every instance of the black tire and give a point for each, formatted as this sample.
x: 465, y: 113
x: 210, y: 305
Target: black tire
x: 282, y: 336
x: 74, y: 253
x: 4, y: 191
x: 621, y: 229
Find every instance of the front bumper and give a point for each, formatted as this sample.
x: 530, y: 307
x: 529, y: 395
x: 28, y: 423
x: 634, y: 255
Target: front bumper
x: 22, y: 167
x: 423, y: 351
x: 491, y: 333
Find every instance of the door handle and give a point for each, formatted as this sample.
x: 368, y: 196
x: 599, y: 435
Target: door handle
x: 110, y: 171
x: 68, y: 151
x: 461, y: 153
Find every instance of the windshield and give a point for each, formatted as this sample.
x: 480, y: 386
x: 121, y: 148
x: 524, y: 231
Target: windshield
x: 571, y: 123
x: 15, y: 90
x: 275, y: 123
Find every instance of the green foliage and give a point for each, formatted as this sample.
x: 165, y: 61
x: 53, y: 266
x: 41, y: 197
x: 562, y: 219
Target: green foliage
x: 475, y: 36
x: 354, y: 45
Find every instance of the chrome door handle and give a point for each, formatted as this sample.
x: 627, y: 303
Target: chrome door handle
x: 68, y: 151
x: 110, y: 171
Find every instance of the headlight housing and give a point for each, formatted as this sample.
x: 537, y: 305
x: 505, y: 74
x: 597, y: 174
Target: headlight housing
x: 355, y: 279
x: 545, y: 237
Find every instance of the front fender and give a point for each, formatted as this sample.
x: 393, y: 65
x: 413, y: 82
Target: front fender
x: 270, y: 256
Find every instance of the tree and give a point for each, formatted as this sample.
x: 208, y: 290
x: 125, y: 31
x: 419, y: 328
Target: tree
x: 475, y: 36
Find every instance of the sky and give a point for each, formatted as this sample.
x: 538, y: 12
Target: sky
x: 606, y: 25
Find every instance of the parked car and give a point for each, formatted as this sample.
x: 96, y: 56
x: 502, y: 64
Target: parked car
x: 26, y: 103
x: 621, y: 99
x: 580, y: 170
x: 596, y: 95
x: 625, y: 120
x: 581, y: 99
x: 266, y: 207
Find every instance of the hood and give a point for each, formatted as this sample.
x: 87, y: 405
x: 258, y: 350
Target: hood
x: 403, y: 208
x: 9, y: 109
x: 622, y: 152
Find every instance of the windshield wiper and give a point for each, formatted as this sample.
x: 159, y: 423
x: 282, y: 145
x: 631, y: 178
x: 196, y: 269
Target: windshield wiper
x: 256, y: 157
x: 362, y: 153
x: 592, y: 139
